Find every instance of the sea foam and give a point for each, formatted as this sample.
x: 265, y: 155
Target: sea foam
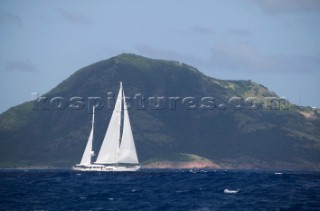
x: 231, y: 191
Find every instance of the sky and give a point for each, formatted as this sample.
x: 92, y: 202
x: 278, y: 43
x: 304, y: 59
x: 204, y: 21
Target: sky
x: 272, y: 42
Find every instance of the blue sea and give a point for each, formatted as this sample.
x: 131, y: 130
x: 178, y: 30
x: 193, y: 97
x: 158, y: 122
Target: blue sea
x: 159, y: 190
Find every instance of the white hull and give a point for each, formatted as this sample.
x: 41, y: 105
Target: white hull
x: 106, y: 168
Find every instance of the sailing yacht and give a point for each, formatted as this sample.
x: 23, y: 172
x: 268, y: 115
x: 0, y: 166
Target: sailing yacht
x: 118, y: 151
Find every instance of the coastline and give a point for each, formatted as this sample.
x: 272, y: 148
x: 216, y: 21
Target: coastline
x: 182, y: 165
x: 199, y: 164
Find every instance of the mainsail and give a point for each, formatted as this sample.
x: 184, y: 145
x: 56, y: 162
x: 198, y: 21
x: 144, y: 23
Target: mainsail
x: 113, y: 151
x: 86, y: 157
x: 109, y: 150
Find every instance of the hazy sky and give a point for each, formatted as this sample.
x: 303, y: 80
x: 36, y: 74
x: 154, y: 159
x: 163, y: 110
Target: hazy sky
x: 273, y: 42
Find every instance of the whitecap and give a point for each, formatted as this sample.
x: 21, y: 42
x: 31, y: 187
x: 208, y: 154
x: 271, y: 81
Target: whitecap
x: 78, y: 174
x: 111, y: 199
x: 279, y: 173
x: 231, y: 191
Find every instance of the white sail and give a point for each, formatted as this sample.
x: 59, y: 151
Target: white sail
x: 127, y: 153
x: 109, y: 150
x: 112, y: 152
x: 86, y: 157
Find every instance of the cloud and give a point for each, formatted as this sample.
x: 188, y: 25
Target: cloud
x: 240, y: 32
x: 245, y: 57
x: 287, y: 6
x: 75, y: 18
x: 8, y: 17
x: 202, y: 30
x: 20, y: 65
x: 241, y: 57
x: 167, y: 54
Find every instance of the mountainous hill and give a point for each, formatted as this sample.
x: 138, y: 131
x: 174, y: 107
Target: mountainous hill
x: 177, y: 113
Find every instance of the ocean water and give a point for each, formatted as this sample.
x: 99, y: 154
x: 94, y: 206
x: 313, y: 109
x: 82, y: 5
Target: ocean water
x: 159, y: 190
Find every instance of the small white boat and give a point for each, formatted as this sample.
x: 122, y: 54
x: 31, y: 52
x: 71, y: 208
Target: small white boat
x: 118, y: 151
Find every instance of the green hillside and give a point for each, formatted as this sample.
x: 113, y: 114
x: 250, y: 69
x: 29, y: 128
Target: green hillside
x: 260, y: 134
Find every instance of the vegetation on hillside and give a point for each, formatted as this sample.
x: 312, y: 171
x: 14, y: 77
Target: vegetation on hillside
x: 232, y: 137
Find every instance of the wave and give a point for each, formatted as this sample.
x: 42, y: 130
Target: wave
x: 231, y: 191
x: 279, y: 173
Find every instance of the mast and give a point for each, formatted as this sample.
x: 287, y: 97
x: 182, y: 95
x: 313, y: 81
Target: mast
x: 92, y: 126
x: 119, y: 137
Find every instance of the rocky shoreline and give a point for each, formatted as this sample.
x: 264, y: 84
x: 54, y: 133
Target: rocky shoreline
x: 182, y: 165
